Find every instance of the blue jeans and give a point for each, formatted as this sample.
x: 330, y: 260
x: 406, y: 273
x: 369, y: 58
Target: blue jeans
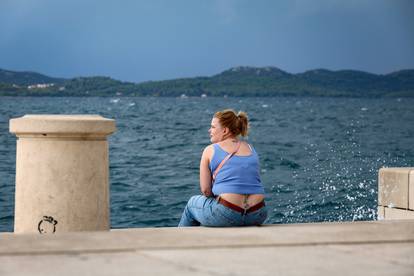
x: 206, y: 211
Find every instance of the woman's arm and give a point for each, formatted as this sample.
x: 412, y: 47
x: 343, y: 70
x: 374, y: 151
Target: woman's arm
x: 205, y: 174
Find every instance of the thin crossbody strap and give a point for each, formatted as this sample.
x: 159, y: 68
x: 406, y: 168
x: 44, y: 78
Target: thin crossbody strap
x: 224, y: 161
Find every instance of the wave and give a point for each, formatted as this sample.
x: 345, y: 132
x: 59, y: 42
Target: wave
x: 289, y: 163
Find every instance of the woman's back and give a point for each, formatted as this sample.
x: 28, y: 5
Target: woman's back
x: 239, y: 175
x: 244, y: 150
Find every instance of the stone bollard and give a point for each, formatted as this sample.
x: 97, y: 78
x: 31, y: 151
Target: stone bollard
x: 396, y: 193
x: 62, y: 173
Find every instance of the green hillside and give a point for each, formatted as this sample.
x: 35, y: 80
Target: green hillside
x: 26, y: 78
x: 238, y: 81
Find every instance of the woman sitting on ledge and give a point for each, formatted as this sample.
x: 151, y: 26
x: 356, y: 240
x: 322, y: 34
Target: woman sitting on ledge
x: 233, y: 194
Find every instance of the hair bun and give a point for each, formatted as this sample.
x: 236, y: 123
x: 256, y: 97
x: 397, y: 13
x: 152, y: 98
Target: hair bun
x: 243, y: 123
x: 241, y: 115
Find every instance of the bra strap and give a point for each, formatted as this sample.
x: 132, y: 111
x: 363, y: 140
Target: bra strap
x: 224, y: 161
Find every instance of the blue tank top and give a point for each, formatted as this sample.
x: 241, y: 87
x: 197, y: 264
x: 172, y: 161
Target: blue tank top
x: 239, y: 175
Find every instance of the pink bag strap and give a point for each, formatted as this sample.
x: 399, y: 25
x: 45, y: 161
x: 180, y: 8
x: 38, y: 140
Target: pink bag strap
x: 224, y: 161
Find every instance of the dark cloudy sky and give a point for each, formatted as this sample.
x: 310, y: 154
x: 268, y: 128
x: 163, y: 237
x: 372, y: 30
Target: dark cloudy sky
x: 139, y: 40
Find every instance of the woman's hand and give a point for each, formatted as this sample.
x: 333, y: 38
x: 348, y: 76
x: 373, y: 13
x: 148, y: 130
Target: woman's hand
x: 205, y: 174
x: 208, y: 193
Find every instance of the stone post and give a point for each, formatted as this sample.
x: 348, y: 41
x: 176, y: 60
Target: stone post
x: 396, y: 193
x: 62, y: 173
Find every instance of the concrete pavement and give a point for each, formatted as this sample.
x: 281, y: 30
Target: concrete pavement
x: 351, y: 248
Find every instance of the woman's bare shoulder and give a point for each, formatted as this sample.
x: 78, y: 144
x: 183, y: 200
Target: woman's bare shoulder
x: 208, y: 151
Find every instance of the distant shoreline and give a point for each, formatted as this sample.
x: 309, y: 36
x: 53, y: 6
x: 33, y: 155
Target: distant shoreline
x: 241, y: 81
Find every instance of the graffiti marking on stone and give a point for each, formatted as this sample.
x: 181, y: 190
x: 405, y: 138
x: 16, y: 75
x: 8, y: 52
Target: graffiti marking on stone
x: 47, y: 225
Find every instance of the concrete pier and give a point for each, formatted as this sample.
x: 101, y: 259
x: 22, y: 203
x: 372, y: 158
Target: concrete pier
x: 352, y: 248
x: 75, y: 190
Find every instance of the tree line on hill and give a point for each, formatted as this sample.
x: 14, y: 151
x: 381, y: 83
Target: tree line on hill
x: 238, y: 81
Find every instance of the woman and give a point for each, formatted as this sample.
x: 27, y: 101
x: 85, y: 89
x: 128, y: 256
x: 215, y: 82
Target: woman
x: 233, y: 194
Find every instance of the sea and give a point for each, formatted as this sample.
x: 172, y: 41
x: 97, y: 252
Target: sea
x: 319, y: 157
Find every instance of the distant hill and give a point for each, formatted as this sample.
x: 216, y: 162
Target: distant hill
x: 271, y: 81
x: 26, y: 78
x: 238, y: 81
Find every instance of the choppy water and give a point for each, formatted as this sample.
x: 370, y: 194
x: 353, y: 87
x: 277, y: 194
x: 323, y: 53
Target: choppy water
x: 319, y: 156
